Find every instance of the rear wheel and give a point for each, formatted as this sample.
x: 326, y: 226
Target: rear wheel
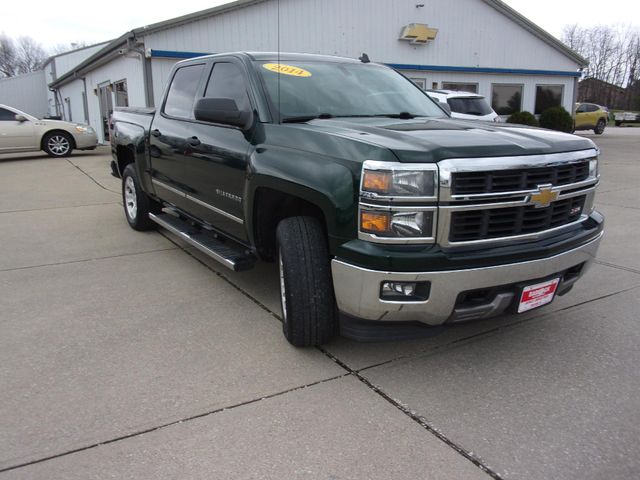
x: 309, y: 315
x: 137, y: 205
x: 618, y: 123
x: 599, y: 130
x: 57, y: 144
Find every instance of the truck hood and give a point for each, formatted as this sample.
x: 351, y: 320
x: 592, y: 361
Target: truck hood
x: 434, y: 139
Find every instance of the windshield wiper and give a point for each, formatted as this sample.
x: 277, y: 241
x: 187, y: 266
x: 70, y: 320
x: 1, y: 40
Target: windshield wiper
x: 401, y: 115
x: 306, y: 118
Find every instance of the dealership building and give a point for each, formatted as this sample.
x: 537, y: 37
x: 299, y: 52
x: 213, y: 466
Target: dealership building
x: 482, y: 46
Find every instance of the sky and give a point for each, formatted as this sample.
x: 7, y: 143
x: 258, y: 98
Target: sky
x: 69, y: 21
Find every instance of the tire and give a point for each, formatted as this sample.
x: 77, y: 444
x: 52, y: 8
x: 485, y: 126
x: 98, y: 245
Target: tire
x: 137, y: 205
x: 309, y: 314
x: 599, y: 129
x: 57, y: 144
x: 618, y: 123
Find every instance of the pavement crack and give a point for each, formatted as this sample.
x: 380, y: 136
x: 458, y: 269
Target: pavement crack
x: 420, y: 420
x: 613, y: 265
x: 435, y: 349
x: 609, y: 204
x: 60, y: 208
x: 224, y: 278
x: 92, y: 179
x: 85, y: 260
x: 169, y: 424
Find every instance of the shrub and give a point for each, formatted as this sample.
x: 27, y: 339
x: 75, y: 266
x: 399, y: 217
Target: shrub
x: 523, y: 118
x: 557, y: 118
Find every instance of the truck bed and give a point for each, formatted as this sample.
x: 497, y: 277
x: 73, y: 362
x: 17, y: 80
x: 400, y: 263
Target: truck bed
x: 141, y: 116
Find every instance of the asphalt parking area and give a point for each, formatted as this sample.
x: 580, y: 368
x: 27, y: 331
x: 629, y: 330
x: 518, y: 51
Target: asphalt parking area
x: 127, y: 355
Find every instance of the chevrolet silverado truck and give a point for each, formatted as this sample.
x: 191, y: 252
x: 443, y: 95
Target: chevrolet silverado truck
x: 381, y: 212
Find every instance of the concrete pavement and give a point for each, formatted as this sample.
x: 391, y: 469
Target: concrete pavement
x: 125, y: 355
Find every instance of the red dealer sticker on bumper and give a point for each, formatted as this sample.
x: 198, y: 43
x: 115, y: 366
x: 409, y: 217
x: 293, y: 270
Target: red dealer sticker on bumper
x: 537, y: 295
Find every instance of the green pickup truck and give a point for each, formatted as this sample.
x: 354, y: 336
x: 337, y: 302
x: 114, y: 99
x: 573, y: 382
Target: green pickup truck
x: 384, y: 215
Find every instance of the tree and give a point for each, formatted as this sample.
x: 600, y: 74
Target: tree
x: 8, y: 56
x: 613, y: 53
x: 31, y: 55
x: 66, y: 47
x: 22, y: 56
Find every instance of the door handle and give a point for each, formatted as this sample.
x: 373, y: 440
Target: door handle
x: 156, y: 133
x: 193, y: 141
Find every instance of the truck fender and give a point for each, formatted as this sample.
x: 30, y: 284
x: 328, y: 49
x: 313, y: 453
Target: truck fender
x: 328, y: 185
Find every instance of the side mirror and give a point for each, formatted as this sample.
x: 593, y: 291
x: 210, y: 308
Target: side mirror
x: 445, y: 106
x: 221, y: 110
x: 20, y: 118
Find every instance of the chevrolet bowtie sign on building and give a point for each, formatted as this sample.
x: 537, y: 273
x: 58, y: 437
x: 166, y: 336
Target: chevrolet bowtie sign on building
x: 418, y: 33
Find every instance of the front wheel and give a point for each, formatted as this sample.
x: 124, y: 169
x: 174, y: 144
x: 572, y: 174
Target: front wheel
x: 599, y: 130
x: 309, y: 315
x: 58, y: 144
x: 137, y: 205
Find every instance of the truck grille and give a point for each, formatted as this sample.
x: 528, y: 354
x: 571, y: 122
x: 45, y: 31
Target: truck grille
x: 469, y: 183
x: 471, y: 225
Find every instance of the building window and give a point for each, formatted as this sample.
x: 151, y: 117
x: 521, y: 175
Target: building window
x: 122, y: 97
x: 548, y: 96
x: 182, y: 93
x: 460, y: 87
x: 420, y: 82
x: 434, y: 85
x: 506, y: 99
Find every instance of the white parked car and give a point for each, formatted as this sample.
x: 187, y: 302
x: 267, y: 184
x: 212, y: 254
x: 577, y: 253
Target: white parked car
x: 466, y: 105
x: 21, y: 132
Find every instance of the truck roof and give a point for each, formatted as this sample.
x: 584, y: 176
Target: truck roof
x: 286, y: 56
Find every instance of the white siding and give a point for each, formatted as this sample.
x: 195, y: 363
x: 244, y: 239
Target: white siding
x: 67, y: 61
x: 160, y: 68
x: 122, y: 68
x: 73, y: 92
x: 471, y: 33
x: 26, y: 92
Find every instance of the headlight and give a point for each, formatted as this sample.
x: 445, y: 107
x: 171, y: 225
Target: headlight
x: 398, y: 202
x: 593, y: 168
x: 397, y: 181
x: 84, y: 129
x: 409, y: 224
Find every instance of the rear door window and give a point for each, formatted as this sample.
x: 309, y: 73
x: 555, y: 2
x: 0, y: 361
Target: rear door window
x: 182, y: 92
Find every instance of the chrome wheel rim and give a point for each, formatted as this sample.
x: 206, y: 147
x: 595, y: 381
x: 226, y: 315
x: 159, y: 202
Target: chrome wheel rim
x: 283, y: 297
x: 58, y: 145
x: 130, y: 200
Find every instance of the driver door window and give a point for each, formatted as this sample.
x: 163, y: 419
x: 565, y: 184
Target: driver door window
x: 227, y: 81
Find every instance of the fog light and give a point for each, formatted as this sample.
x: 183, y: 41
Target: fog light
x: 405, y: 291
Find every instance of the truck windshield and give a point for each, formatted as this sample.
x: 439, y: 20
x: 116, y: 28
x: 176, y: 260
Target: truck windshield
x: 328, y: 89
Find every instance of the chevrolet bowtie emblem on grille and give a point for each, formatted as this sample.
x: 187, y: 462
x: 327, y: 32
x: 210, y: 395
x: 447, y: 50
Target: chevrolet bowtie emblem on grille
x: 544, y: 197
x: 418, y: 33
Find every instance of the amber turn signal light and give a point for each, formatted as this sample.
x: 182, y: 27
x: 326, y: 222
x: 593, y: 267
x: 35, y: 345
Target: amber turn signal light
x: 375, y: 222
x: 377, y: 181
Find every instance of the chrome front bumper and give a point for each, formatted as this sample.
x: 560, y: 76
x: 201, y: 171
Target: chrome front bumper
x: 357, y: 289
